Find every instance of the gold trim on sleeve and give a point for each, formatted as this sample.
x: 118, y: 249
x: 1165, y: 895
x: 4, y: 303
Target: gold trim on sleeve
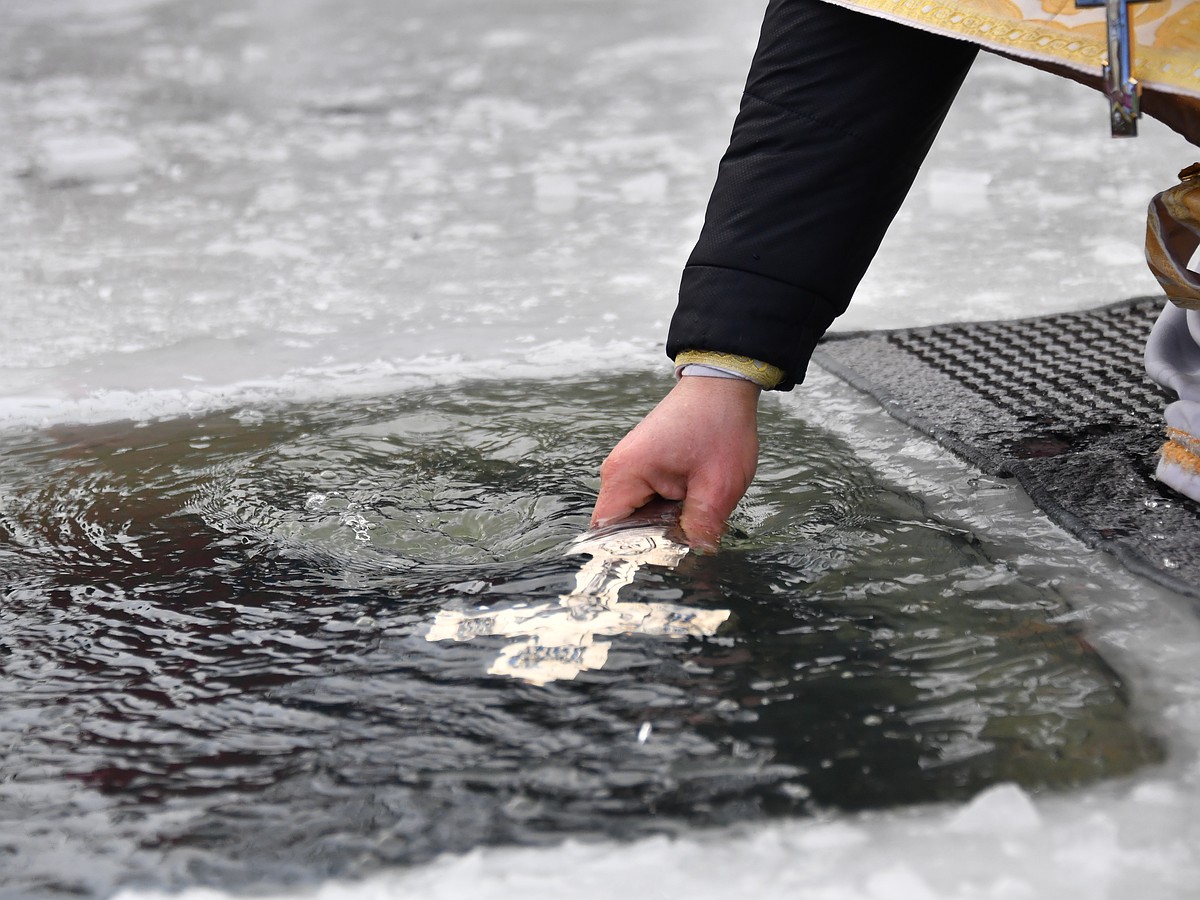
x: 765, y: 375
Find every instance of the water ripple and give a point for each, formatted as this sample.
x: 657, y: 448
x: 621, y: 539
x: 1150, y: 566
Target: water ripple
x: 213, y: 665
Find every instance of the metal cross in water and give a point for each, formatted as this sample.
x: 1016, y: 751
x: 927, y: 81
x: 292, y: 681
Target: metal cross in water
x: 1123, y: 90
x: 560, y: 638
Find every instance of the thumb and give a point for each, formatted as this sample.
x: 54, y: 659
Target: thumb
x: 702, y: 524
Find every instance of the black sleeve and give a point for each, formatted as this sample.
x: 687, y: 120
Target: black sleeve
x: 839, y: 111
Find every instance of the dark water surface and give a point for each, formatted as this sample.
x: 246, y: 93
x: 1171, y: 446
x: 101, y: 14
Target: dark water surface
x: 213, y: 664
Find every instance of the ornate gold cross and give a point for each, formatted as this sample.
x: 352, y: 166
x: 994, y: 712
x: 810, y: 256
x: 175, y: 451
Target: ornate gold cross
x: 560, y: 637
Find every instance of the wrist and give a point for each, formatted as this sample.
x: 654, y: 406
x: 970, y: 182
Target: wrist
x: 736, y: 398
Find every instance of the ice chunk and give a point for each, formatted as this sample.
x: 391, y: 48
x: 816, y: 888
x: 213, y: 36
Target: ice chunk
x: 1156, y: 793
x: 832, y: 836
x: 84, y: 158
x: 962, y: 191
x: 648, y: 188
x: 1002, y: 809
x: 898, y: 882
x: 554, y: 192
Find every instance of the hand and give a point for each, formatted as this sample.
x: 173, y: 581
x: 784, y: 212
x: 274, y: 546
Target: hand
x: 699, y: 445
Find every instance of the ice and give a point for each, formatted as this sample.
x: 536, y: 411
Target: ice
x: 555, y: 193
x: 906, y: 857
x: 1155, y: 793
x: 648, y: 188
x: 959, y: 192
x: 1003, y: 809
x: 83, y: 158
x: 898, y: 883
x: 286, y: 201
x: 283, y: 171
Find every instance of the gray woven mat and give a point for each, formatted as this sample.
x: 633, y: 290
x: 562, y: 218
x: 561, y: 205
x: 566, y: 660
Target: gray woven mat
x: 1062, y: 404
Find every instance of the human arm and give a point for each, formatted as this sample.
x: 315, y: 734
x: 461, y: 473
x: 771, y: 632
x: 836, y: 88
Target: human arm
x: 837, y: 116
x: 824, y: 149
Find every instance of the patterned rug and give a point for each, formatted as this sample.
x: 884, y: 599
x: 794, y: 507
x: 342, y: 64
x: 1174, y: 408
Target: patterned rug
x: 1060, y: 403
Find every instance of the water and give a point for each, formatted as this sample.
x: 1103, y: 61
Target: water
x: 318, y: 318
x: 216, y: 667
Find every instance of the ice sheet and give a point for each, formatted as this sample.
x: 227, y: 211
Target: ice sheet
x: 282, y: 198
x: 211, y: 205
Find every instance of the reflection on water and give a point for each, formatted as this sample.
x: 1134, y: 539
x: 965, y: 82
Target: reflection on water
x: 560, y: 638
x: 215, y: 665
